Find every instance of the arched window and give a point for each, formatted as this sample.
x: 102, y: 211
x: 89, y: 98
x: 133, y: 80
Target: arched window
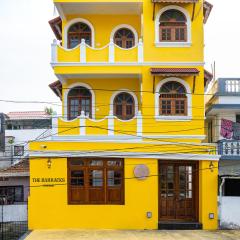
x: 173, y: 99
x: 173, y: 26
x: 124, y: 106
x: 79, y: 99
x: 124, y: 38
x: 77, y: 32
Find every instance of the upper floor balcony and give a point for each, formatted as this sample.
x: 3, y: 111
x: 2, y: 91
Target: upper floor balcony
x: 226, y: 87
x: 223, y: 95
x: 229, y: 149
x: 84, y: 53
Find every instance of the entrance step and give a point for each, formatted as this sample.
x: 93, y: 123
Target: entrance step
x: 179, y: 226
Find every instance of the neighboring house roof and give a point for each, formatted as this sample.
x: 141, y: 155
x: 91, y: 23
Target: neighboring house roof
x: 57, y: 88
x: 56, y: 25
x: 20, y: 169
x: 28, y: 115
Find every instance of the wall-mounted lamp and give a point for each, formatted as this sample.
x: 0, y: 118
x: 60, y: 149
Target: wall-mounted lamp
x: 211, y: 166
x: 49, y: 163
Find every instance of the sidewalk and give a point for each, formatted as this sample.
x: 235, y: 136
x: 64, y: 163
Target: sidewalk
x: 131, y: 235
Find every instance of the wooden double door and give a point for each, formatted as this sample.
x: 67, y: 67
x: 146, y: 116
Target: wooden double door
x: 178, y: 191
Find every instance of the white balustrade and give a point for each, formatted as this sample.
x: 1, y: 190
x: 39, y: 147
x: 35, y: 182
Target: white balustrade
x: 83, y: 52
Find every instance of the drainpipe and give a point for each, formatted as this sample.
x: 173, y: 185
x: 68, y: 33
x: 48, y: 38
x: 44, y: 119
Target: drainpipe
x: 220, y: 200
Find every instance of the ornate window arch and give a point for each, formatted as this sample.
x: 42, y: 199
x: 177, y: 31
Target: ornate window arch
x: 79, y: 99
x: 84, y: 100
x: 173, y: 99
x: 83, y: 30
x: 124, y: 104
x: 125, y: 36
x: 173, y: 27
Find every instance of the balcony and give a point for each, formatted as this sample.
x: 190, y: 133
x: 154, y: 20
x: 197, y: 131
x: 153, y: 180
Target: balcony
x: 226, y: 87
x: 229, y: 149
x: 84, y: 54
x: 110, y: 127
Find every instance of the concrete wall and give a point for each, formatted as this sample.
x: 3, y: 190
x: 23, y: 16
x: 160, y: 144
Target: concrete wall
x: 6, y: 158
x: 230, y: 212
x: 13, y: 213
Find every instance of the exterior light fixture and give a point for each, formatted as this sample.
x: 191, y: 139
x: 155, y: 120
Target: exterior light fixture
x: 49, y: 163
x: 211, y: 215
x: 211, y: 166
x: 149, y: 214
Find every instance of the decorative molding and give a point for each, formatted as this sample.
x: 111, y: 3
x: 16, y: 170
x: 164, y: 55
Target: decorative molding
x: 189, y: 30
x: 140, y: 51
x: 83, y: 51
x: 173, y: 118
x: 130, y: 139
x: 125, y: 26
x: 70, y: 64
x: 189, y: 100
x: 54, y: 57
x: 172, y: 44
x: 78, y: 84
x: 146, y: 155
x: 111, y: 124
x: 139, y: 124
x: 111, y: 52
x: 54, y: 125
x: 82, y: 124
x: 123, y: 91
x: 76, y: 20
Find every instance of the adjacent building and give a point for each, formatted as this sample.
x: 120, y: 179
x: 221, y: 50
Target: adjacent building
x: 127, y: 152
x: 223, y: 128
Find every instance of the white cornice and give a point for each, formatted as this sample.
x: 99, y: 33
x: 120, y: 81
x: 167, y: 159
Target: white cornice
x: 78, y: 64
x: 149, y: 155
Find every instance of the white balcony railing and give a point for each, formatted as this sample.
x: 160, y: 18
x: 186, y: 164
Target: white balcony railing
x: 84, y: 53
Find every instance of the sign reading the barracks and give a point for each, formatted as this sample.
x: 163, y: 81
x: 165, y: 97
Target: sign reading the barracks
x: 48, y: 180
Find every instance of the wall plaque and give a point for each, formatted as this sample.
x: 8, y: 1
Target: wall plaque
x: 141, y: 172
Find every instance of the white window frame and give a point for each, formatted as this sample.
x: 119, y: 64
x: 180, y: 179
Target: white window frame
x: 76, y: 20
x: 189, y: 101
x: 158, y: 43
x: 69, y: 88
x: 128, y: 27
x: 135, y: 102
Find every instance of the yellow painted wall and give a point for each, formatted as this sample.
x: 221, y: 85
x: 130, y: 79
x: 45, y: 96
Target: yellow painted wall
x: 103, y: 89
x: 141, y: 196
x: 104, y: 24
x: 48, y: 206
x: 208, y: 190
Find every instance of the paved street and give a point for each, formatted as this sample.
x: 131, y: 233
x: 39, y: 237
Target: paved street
x: 131, y: 235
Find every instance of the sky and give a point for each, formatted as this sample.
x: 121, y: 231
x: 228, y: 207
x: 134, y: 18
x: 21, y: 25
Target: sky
x: 25, y: 50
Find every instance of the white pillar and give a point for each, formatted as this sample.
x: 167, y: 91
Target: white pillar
x: 139, y: 124
x: 140, y: 51
x: 54, y: 125
x: 54, y: 51
x: 82, y: 124
x: 110, y: 124
x: 111, y: 51
x: 83, y: 51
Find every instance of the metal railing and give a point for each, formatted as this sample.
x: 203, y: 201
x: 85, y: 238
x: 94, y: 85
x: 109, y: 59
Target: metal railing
x: 229, y: 148
x: 13, y: 230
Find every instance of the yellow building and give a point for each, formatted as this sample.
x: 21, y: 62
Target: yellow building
x: 127, y: 152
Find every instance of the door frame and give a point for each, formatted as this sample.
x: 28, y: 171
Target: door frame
x: 196, y: 193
